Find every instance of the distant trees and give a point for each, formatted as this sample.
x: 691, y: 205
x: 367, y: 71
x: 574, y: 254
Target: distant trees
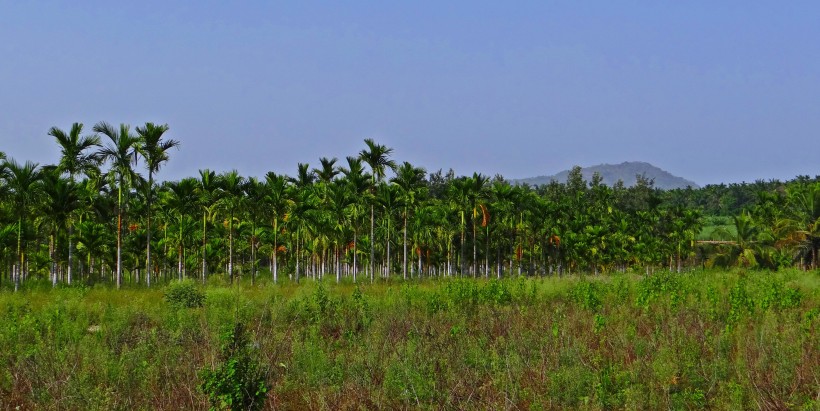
x: 95, y: 201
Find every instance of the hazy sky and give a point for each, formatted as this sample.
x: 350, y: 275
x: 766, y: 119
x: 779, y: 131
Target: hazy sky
x: 711, y: 91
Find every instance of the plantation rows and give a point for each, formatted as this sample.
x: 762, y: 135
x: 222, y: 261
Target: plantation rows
x: 99, y: 215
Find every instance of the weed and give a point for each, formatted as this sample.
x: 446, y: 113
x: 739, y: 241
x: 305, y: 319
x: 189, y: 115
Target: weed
x: 184, y: 294
x: 240, y: 381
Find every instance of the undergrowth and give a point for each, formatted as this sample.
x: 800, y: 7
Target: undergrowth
x: 721, y: 340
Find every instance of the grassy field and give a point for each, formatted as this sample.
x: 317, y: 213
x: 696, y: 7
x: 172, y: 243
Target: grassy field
x: 723, y: 340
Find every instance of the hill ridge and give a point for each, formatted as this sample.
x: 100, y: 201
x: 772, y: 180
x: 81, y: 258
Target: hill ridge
x: 611, y: 173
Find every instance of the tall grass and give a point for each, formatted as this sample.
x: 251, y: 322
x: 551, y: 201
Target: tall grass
x: 725, y: 340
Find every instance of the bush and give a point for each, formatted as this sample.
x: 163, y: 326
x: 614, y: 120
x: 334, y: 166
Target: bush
x: 240, y: 382
x: 184, y: 294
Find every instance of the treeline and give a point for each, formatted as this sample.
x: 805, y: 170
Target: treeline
x: 99, y: 215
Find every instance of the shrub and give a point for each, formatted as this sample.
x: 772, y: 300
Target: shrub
x: 240, y: 382
x: 184, y: 294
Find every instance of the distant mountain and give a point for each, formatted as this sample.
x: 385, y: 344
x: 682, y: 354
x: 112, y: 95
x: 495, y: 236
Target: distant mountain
x: 625, y: 172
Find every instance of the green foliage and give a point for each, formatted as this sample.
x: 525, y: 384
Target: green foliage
x: 184, y: 294
x: 740, y: 303
x: 659, y: 286
x: 732, y: 340
x: 588, y: 295
x: 240, y: 381
x: 776, y: 296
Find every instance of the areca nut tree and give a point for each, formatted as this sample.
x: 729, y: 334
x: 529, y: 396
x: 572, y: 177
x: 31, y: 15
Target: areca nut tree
x: 277, y: 199
x: 209, y: 191
x: 357, y: 181
x: 377, y: 156
x: 76, y: 157
x: 154, y: 150
x: 23, y: 184
x: 121, y: 152
x: 410, y: 180
x: 231, y: 203
x: 61, y: 199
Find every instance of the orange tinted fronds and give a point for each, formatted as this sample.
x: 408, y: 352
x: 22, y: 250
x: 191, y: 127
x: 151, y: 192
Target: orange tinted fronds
x: 485, y: 215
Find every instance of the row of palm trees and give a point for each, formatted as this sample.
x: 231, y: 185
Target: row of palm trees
x: 51, y: 197
x: 368, y: 216
x: 779, y: 229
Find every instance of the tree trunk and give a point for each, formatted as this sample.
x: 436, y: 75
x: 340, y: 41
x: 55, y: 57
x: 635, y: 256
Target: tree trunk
x: 296, y: 274
x: 372, y: 245
x: 52, y: 263
x: 387, y: 263
x: 119, y: 249
x: 70, y: 252
x: 355, y: 251
x: 230, y: 248
x: 475, y: 253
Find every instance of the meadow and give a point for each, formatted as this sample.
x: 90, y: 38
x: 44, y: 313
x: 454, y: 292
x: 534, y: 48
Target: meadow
x: 703, y: 339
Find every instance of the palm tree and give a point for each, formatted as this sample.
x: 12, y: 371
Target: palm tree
x: 387, y: 198
x: 209, y: 190
x: 231, y: 203
x: 504, y: 198
x: 155, y: 152
x: 61, y: 200
x: 801, y: 227
x: 255, y: 193
x: 410, y: 181
x: 183, y: 201
x: 377, y: 157
x: 743, y: 249
x: 277, y: 200
x: 328, y: 170
x: 121, y: 152
x: 357, y: 182
x: 93, y: 239
x: 24, y: 186
x: 75, y: 158
x: 299, y: 217
x: 459, y: 199
x: 477, y: 193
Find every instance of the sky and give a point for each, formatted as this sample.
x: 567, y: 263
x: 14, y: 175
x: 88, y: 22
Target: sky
x: 710, y: 91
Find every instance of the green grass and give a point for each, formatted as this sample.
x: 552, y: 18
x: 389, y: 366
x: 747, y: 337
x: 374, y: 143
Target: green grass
x: 723, y: 340
x: 717, y: 228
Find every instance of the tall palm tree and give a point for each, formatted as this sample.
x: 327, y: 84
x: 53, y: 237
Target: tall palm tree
x: 477, y: 193
x: 231, y: 203
x: 377, y: 156
x: 328, y: 169
x: 155, y: 152
x: 255, y: 193
x: 75, y: 158
x: 24, y: 186
x: 209, y: 191
x: 61, y: 200
x: 410, y: 180
x: 121, y: 152
x: 357, y: 181
x: 459, y: 199
x: 183, y: 201
x: 277, y: 200
x: 387, y: 198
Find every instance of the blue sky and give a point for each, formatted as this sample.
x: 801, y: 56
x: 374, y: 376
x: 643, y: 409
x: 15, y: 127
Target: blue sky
x: 711, y: 91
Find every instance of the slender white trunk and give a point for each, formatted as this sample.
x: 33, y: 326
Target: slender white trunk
x: 70, y: 252
x: 53, y: 264
x: 372, y: 245
x: 230, y: 248
x: 355, y: 251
